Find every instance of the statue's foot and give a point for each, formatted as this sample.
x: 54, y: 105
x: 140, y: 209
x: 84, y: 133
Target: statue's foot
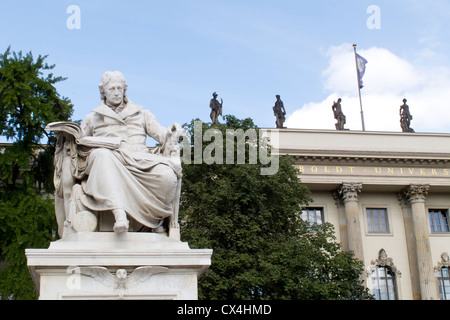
x: 121, y: 226
x: 160, y: 230
x: 122, y: 223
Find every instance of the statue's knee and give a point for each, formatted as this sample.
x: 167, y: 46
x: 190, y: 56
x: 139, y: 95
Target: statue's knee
x: 102, y: 156
x: 167, y: 177
x: 100, y: 152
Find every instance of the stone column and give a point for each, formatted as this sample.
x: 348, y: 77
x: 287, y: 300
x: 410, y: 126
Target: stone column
x: 349, y: 192
x: 416, y: 194
x: 410, y: 244
x: 342, y: 220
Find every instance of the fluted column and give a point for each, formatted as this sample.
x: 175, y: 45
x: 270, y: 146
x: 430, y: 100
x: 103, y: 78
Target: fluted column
x: 410, y: 244
x: 342, y: 220
x: 349, y: 192
x: 416, y: 194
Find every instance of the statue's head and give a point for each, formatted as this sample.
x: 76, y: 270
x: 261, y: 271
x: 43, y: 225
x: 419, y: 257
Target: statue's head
x: 382, y: 254
x: 215, y: 95
x: 113, y: 88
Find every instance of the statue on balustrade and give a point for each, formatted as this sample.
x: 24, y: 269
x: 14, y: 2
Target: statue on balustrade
x: 405, y: 117
x: 338, y: 115
x: 279, y: 112
x: 216, y: 108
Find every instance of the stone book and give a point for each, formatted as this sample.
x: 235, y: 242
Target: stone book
x: 75, y: 131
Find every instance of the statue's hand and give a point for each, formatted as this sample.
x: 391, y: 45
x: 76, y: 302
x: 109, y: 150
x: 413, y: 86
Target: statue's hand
x: 176, y: 130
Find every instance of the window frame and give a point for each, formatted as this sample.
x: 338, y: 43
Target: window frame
x: 315, y: 208
x: 432, y: 220
x: 370, y: 230
x: 386, y: 280
x: 441, y: 279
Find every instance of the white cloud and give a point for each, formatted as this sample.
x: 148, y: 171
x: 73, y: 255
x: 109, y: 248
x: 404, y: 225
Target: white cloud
x: 388, y: 79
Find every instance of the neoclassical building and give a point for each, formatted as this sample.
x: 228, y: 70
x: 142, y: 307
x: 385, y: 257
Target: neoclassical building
x: 388, y: 196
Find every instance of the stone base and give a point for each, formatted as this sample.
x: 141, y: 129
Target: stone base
x: 106, y: 265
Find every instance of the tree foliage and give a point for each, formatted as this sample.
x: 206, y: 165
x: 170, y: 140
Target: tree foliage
x: 262, y: 250
x: 26, y: 221
x: 28, y: 102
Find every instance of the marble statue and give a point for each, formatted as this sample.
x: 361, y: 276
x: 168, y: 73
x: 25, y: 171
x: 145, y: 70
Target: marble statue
x: 216, y: 108
x: 104, y: 166
x: 338, y: 115
x: 405, y: 117
x: 279, y: 112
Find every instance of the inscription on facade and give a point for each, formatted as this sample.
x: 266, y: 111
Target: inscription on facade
x: 374, y: 171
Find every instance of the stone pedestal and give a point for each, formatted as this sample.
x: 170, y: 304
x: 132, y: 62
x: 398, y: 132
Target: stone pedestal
x: 106, y: 265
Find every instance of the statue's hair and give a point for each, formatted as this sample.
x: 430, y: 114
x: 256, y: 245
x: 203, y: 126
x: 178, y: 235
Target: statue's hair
x: 106, y: 78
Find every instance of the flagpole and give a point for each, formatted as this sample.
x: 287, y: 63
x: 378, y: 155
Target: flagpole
x: 359, y: 89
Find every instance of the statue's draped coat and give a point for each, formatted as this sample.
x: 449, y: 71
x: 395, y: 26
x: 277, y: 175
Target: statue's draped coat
x: 131, y: 177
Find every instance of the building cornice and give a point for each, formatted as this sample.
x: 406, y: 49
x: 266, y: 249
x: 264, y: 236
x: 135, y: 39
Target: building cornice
x: 369, y: 159
x: 362, y: 147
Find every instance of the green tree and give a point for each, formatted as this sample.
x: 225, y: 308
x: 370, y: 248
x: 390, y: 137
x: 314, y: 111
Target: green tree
x: 262, y: 249
x: 28, y: 102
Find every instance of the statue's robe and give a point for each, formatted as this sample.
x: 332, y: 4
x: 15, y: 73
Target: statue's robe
x: 131, y: 177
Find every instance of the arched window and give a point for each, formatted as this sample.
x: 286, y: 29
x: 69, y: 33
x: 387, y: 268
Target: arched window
x: 383, y: 284
x: 384, y: 277
x: 443, y: 276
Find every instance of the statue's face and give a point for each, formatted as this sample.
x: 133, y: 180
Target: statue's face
x: 114, y: 92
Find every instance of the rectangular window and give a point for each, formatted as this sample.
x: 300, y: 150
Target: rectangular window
x: 438, y: 220
x: 313, y: 215
x: 377, y: 220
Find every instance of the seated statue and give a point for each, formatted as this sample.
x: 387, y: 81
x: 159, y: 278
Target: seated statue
x: 104, y: 166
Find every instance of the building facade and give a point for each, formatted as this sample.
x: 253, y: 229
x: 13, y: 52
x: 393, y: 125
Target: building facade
x: 388, y: 196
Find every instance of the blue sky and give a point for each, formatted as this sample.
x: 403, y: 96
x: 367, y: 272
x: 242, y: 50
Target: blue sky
x: 176, y: 53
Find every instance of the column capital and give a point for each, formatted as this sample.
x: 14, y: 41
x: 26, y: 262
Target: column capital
x: 337, y: 198
x: 416, y: 192
x: 403, y: 200
x: 349, y: 191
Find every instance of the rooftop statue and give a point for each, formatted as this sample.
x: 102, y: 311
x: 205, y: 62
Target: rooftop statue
x: 104, y: 166
x: 338, y: 115
x: 405, y: 117
x: 216, y: 108
x: 279, y: 112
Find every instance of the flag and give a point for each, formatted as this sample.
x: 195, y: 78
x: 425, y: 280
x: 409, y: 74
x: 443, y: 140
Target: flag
x: 361, y: 66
